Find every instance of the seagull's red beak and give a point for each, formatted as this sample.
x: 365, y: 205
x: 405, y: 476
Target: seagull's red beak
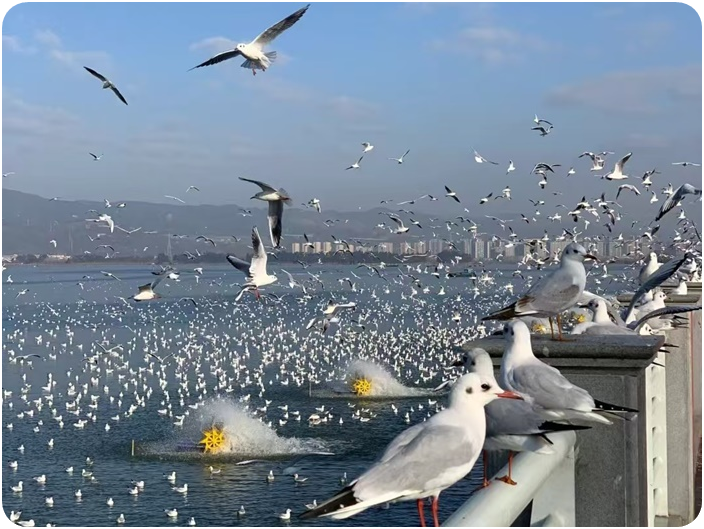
x: 509, y: 395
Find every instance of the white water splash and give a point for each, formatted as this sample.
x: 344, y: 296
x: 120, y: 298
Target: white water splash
x: 383, y: 382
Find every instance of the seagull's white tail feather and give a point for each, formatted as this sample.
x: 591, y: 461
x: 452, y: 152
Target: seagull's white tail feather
x: 253, y: 65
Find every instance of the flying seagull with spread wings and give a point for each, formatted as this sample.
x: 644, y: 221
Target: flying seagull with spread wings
x: 106, y: 84
x: 276, y: 200
x: 256, y: 58
x: 257, y: 276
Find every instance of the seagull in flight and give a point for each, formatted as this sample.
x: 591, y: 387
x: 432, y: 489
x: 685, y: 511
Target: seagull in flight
x: 276, y: 199
x: 95, y: 158
x: 257, y: 276
x: 106, y: 84
x: 450, y: 193
x: 617, y: 173
x: 674, y: 199
x: 401, y: 228
x: 400, y: 160
x: 685, y: 164
x: 253, y: 52
x: 480, y: 159
x: 629, y: 187
x: 355, y: 165
x: 367, y: 146
x: 192, y: 187
x: 5, y: 175
x: 174, y: 198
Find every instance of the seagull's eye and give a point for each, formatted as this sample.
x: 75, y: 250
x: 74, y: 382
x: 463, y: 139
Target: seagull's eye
x: 473, y: 363
x: 486, y: 387
x: 468, y: 391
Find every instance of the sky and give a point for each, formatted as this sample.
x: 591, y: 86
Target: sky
x: 438, y: 79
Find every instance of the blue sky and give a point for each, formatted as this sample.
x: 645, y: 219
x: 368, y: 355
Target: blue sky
x: 439, y: 79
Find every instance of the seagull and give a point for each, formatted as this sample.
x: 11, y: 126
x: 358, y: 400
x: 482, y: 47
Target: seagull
x: 543, y: 130
x: 286, y: 515
x: 485, y: 199
x: 95, y: 158
x: 146, y: 292
x: 367, y: 146
x: 629, y: 187
x: 400, y: 160
x: 450, y: 193
x: 106, y: 84
x: 674, y: 199
x: 480, y: 159
x: 543, y: 385
x: 617, y: 173
x: 110, y: 274
x: 355, y: 165
x: 685, y: 164
x: 423, y: 460
x: 314, y: 203
x: 174, y: 198
x: 401, y: 228
x: 253, y: 52
x: 5, y: 175
x: 192, y: 187
x: 554, y: 293
x: 276, y: 200
x: 257, y: 275
x: 511, y: 167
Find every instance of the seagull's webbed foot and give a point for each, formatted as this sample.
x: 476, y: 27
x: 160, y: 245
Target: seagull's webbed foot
x: 506, y: 479
x: 254, y: 72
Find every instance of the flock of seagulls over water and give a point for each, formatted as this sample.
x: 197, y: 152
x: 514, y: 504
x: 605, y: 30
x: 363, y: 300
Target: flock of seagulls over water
x: 170, y: 359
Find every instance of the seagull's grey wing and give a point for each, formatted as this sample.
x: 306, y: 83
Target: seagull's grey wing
x: 670, y: 203
x: 663, y: 311
x: 158, y: 280
x: 546, y: 386
x: 265, y: 187
x: 242, y: 266
x: 259, y: 258
x: 623, y: 161
x: 396, y: 220
x: 661, y: 275
x: 549, y: 296
x: 512, y: 417
x: 218, y: 58
x: 118, y: 94
x: 432, y: 452
x: 96, y: 74
x: 277, y: 29
x: 400, y: 441
x: 275, y: 218
x: 405, y: 153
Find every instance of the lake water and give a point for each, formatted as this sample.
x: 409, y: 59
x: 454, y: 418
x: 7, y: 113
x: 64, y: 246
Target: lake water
x: 230, y: 360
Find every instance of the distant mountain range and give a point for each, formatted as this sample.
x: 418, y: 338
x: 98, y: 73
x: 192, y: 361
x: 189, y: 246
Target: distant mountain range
x: 31, y: 222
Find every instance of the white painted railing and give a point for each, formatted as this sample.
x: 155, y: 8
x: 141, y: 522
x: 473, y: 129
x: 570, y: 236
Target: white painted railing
x: 643, y: 468
x: 546, y: 480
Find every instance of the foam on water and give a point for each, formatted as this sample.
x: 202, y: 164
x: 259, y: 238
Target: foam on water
x: 246, y: 436
x: 383, y: 382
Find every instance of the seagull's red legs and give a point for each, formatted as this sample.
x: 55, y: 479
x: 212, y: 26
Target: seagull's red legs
x: 434, y: 508
x: 507, y: 479
x: 420, y: 504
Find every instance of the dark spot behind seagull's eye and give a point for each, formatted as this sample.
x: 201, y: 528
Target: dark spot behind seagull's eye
x: 486, y: 387
x: 468, y: 391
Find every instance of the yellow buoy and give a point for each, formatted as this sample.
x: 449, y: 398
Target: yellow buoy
x: 213, y: 440
x: 361, y: 386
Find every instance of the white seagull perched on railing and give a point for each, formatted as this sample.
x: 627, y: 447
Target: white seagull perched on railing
x: 106, y: 83
x: 276, y: 199
x: 257, y: 275
x: 256, y: 58
x: 423, y: 460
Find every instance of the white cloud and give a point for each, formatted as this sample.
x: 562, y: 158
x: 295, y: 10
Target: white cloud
x: 71, y: 59
x: 214, y: 44
x: 636, y: 91
x: 492, y: 44
x: 26, y: 119
x: 12, y: 43
x: 48, y: 38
